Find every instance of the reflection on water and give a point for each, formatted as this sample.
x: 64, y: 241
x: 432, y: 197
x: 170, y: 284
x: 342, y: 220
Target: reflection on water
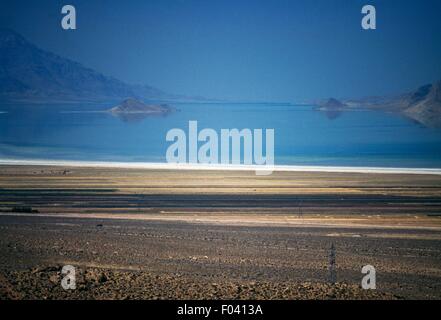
x: 302, y: 135
x: 134, y: 117
x: 332, y: 114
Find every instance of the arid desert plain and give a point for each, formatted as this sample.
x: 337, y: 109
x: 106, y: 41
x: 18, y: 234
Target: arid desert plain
x: 184, y: 234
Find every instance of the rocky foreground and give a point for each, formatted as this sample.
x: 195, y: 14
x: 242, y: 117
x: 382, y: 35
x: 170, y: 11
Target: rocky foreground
x: 152, y: 234
x: 97, y: 283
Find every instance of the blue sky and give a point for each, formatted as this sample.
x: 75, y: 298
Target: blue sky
x: 266, y: 50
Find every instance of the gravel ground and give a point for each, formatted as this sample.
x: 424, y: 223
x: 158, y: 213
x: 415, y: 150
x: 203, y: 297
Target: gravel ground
x: 97, y: 284
x: 176, y: 234
x: 117, y: 259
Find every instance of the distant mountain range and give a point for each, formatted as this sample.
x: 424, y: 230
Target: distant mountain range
x: 422, y: 105
x: 30, y: 74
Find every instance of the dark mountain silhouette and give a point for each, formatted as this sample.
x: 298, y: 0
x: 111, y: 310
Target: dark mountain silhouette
x: 422, y: 105
x: 30, y: 74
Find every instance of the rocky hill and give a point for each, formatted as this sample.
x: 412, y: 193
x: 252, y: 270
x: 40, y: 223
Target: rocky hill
x: 30, y: 74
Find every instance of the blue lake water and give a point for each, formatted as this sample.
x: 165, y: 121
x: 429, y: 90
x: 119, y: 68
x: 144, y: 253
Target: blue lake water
x: 303, y: 136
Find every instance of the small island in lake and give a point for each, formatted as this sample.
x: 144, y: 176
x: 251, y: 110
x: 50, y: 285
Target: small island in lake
x: 133, y: 110
x: 332, y: 108
x: 332, y: 104
x: 132, y: 105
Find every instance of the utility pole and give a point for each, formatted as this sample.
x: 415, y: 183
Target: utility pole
x: 332, y: 272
